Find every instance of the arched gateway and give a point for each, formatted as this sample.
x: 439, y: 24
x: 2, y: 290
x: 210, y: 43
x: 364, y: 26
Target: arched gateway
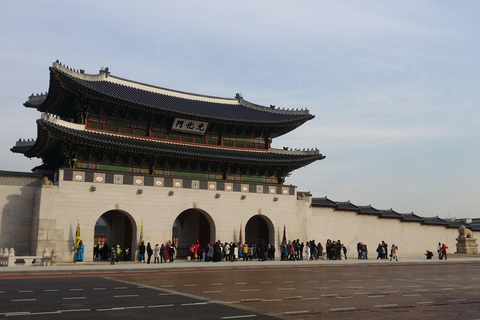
x: 259, y: 227
x: 192, y: 225
x: 115, y: 227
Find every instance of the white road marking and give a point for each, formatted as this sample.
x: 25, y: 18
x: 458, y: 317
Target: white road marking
x: 136, y: 307
x: 99, y: 289
x: 386, y: 305
x: 250, y: 300
x: 166, y: 294
x: 240, y: 283
x: 75, y: 289
x: 194, y: 304
x: 25, y: 291
x: 168, y: 286
x: 271, y: 300
x: 343, y: 309
x: 22, y: 300
x: 413, y: 286
x: 420, y: 279
x: 455, y: 300
x: 51, y: 290
x: 247, y: 290
x: 412, y: 295
x: 240, y: 317
x: 329, y: 295
x: 161, y: 306
x: 217, y: 284
x: 74, y: 298
x: 377, y: 296
x: 292, y: 297
x: 119, y: 288
x: 296, y: 312
x: 313, y: 298
x: 425, y: 302
x: 73, y: 310
x: 391, y: 291
x: 191, y: 285
x: 313, y: 281
x: 126, y: 296
x: 347, y: 297
x: 212, y: 291
x: 361, y: 293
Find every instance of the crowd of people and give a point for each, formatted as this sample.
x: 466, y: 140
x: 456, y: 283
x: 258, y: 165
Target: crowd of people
x: 261, y: 251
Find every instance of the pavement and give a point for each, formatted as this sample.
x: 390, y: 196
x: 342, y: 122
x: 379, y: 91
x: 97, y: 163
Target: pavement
x: 183, y: 264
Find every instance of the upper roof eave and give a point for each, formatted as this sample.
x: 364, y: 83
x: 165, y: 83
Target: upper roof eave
x: 180, y: 103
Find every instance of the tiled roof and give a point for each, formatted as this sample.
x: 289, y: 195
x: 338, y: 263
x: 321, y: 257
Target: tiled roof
x: 145, y: 146
x: 170, y: 102
x: 411, y: 217
x: 390, y: 214
x: 434, y: 221
x: 323, y: 202
x: 346, y: 206
x: 369, y: 210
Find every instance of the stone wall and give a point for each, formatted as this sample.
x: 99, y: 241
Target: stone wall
x: 33, y: 218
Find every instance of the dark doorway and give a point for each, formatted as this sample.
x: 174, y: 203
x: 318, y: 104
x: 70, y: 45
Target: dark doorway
x: 115, y: 228
x: 259, y: 228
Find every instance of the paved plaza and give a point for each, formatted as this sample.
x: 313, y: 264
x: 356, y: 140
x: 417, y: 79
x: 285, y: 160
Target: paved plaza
x: 347, y: 289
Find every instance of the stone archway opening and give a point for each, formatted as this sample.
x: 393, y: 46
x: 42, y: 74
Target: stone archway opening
x: 259, y: 227
x: 114, y: 228
x: 192, y: 225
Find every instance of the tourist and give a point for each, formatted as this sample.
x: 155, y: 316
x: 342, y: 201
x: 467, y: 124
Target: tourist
x: 393, y: 252
x: 163, y: 254
x: 344, y: 251
x: 171, y: 252
x: 439, y: 251
x: 113, y: 255
x: 141, y: 252
x: 245, y: 252
x: 119, y: 252
x: 444, y: 251
x: 156, y: 254
x: 429, y: 254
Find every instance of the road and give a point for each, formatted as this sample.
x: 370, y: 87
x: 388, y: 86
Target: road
x: 387, y: 291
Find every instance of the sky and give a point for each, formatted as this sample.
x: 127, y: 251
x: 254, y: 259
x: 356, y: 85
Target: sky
x: 394, y: 86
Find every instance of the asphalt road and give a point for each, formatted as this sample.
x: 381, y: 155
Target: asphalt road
x: 373, y: 291
x: 74, y: 297
x: 393, y: 291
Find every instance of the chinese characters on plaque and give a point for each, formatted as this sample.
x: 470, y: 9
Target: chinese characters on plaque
x: 191, y: 126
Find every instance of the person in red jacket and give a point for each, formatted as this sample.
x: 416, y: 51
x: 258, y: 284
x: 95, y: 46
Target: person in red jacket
x: 444, y: 251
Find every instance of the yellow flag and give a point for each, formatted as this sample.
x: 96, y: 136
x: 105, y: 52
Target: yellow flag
x: 77, y: 236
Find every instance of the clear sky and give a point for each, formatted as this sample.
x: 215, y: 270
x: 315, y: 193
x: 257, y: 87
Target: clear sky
x: 394, y: 85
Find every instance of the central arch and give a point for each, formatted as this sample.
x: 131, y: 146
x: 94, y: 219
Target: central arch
x: 259, y: 227
x: 115, y: 227
x: 192, y: 225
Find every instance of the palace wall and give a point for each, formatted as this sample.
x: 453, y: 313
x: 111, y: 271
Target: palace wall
x: 17, y: 198
x: 33, y: 218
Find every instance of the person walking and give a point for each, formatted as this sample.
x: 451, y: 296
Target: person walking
x: 393, y: 252
x: 444, y: 251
